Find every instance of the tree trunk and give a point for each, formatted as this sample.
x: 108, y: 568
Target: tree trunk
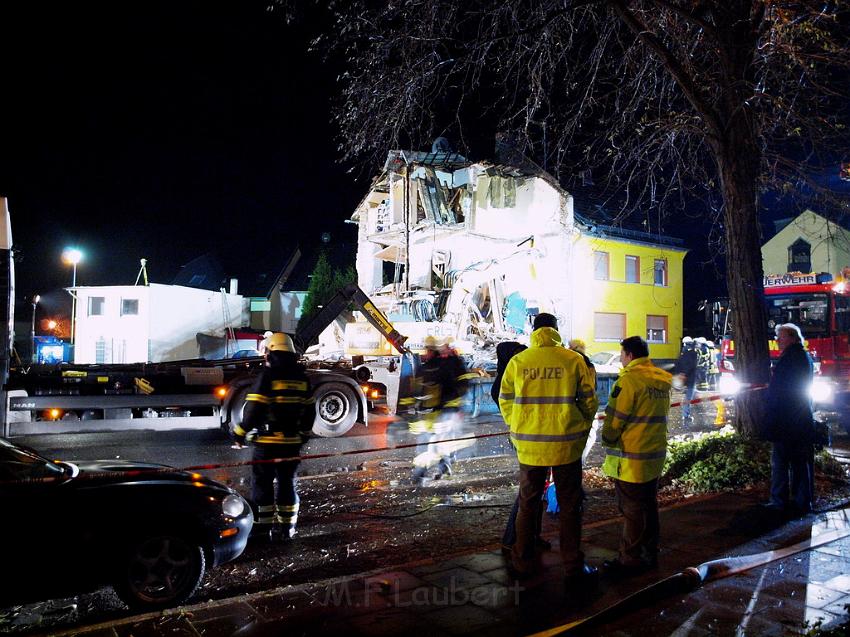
x: 738, y: 165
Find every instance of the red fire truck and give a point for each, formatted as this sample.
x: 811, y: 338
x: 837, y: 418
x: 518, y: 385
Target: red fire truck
x: 820, y: 306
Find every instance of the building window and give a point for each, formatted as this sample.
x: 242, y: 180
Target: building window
x: 656, y: 329
x: 600, y: 266
x: 800, y: 257
x: 608, y: 326
x: 96, y: 305
x: 129, y: 307
x: 101, y: 351
x: 660, y: 272
x: 632, y: 269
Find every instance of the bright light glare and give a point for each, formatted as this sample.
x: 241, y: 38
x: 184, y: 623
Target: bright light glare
x: 821, y: 390
x: 729, y: 385
x: 72, y: 256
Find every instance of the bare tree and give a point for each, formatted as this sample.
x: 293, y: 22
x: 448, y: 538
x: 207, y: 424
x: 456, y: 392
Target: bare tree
x: 665, y: 101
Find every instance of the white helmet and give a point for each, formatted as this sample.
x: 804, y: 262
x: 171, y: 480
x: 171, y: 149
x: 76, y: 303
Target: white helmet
x: 701, y: 340
x: 687, y: 339
x: 710, y: 343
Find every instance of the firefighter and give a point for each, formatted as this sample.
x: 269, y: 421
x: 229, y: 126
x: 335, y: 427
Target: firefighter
x: 444, y: 383
x: 548, y: 402
x: 279, y: 412
x: 635, y: 439
x: 703, y: 363
x: 686, y: 372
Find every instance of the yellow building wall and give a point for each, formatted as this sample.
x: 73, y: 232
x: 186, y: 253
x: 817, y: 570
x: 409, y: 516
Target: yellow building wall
x: 635, y: 300
x: 830, y: 245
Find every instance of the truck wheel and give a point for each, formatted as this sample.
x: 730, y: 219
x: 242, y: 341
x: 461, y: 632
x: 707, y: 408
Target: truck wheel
x: 336, y: 410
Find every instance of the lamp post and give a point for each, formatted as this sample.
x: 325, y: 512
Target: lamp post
x: 73, y: 256
x: 35, y: 301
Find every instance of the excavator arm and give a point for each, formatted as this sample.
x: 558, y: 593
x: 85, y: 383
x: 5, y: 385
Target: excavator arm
x: 350, y: 294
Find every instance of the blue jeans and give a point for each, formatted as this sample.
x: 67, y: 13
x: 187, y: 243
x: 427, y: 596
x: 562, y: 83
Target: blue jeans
x: 792, y: 470
x: 690, y: 390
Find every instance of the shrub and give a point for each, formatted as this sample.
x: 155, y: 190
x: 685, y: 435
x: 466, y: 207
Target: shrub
x: 717, y: 461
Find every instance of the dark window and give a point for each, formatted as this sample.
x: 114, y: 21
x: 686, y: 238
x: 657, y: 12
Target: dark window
x: 808, y: 311
x: 842, y: 314
x: 800, y: 256
x: 632, y: 269
x: 660, y: 272
x: 656, y: 329
x: 129, y: 307
x: 96, y: 305
x: 600, y: 266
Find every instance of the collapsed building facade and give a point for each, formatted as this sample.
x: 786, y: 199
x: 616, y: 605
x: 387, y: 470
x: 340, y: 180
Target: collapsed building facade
x: 473, y: 250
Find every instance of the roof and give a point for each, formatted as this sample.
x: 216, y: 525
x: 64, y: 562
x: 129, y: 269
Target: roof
x: 594, y: 219
x: 258, y: 278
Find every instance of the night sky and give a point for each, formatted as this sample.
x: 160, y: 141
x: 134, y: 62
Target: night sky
x: 165, y: 131
x: 171, y: 130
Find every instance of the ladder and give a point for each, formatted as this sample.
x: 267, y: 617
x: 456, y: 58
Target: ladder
x: 229, y: 334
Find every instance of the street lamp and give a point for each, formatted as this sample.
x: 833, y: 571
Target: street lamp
x: 73, y: 256
x: 35, y: 301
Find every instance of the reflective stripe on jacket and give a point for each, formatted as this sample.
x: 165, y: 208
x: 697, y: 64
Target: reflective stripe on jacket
x: 280, y: 406
x: 635, y: 431
x: 548, y: 401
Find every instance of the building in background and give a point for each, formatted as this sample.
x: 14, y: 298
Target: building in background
x: 807, y: 243
x: 473, y: 250
x: 154, y: 323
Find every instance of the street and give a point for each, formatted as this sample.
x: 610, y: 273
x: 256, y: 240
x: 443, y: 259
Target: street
x: 358, y: 512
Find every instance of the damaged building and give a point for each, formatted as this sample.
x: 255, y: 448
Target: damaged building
x: 473, y: 250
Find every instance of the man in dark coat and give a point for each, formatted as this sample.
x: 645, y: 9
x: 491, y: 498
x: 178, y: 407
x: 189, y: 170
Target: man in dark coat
x: 686, y: 369
x: 791, y: 425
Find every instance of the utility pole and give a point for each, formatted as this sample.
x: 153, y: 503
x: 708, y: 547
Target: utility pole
x: 35, y: 301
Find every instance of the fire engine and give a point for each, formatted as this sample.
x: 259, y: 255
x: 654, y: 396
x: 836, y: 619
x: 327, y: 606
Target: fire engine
x: 820, y: 305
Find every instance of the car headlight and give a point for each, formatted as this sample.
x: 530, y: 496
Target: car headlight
x: 232, y: 506
x: 729, y: 385
x: 821, y: 390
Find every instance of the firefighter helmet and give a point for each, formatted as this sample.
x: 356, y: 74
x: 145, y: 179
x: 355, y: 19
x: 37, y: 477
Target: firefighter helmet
x: 687, y: 340
x: 280, y: 342
x: 431, y: 342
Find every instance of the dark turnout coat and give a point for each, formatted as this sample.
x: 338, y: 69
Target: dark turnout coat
x: 789, y: 416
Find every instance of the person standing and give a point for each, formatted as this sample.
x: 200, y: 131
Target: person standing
x: 791, y: 425
x: 548, y: 402
x: 634, y: 436
x: 577, y: 345
x: 279, y: 412
x: 444, y: 384
x: 505, y: 351
x: 686, y: 370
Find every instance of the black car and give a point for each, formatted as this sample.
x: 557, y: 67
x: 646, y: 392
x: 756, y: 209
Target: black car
x: 146, y: 529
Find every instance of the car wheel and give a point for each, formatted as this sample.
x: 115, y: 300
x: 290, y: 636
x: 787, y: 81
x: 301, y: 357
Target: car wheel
x: 160, y: 571
x: 336, y: 410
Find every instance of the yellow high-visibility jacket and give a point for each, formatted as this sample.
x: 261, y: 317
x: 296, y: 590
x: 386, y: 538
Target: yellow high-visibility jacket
x: 635, y: 431
x: 548, y: 401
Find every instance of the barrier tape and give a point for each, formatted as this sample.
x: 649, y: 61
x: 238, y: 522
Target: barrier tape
x: 313, y: 456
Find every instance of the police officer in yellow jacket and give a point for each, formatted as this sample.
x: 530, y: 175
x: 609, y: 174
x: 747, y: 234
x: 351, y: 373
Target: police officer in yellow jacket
x: 635, y: 439
x: 279, y: 412
x: 548, y: 401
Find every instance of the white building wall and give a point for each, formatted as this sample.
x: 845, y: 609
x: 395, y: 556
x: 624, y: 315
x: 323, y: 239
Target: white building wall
x: 164, y: 328
x: 179, y: 313
x: 830, y: 245
x: 110, y: 337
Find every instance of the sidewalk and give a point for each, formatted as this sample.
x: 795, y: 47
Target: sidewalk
x: 474, y: 595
